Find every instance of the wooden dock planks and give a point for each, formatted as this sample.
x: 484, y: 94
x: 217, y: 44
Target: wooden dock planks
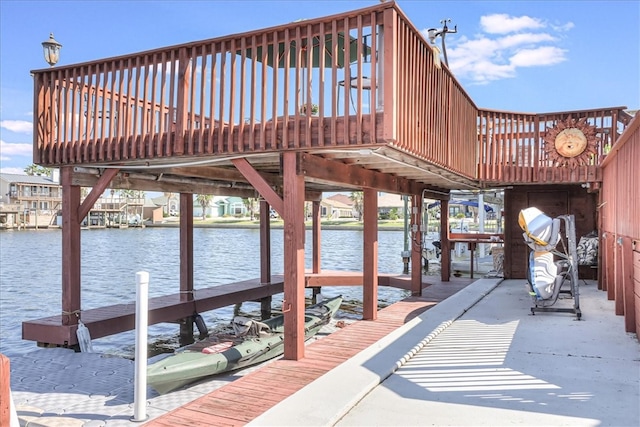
x: 277, y: 380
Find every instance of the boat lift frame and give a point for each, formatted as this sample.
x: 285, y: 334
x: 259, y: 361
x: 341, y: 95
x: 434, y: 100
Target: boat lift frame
x: 569, y: 264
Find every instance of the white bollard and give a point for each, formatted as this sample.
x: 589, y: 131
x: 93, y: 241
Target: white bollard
x: 142, y: 322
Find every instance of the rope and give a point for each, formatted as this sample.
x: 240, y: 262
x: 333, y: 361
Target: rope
x: 69, y: 313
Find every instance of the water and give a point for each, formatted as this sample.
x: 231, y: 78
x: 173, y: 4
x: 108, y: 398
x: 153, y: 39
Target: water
x: 30, y: 273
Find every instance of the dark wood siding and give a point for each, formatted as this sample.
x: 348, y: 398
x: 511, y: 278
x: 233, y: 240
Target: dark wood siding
x: 553, y: 201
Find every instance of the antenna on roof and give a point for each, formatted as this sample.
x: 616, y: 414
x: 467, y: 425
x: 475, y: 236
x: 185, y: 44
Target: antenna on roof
x: 434, y: 32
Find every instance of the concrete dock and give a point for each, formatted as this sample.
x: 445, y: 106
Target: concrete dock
x: 477, y: 358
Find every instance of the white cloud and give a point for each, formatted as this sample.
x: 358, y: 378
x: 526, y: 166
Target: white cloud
x: 541, y: 56
x: 504, y: 24
x: 18, y: 126
x: 506, y: 44
x: 8, y: 149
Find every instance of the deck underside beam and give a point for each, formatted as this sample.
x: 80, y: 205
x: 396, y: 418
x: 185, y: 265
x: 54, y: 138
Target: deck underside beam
x: 109, y: 320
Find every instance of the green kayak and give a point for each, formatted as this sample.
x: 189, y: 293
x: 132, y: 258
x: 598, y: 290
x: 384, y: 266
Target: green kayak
x: 253, y: 342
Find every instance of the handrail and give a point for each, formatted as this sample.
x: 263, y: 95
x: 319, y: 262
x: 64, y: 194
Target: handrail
x: 280, y: 88
x: 436, y: 117
x: 240, y: 93
x: 513, y: 150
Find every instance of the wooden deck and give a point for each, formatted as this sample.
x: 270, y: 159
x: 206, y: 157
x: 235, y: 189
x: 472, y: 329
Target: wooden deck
x: 228, y: 405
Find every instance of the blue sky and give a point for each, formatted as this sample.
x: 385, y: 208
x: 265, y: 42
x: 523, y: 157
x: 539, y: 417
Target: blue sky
x: 527, y: 56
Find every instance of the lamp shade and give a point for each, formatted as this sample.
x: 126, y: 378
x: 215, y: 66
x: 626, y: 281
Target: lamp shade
x: 51, y: 50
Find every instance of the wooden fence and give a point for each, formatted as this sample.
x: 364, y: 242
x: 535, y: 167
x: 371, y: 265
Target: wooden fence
x: 619, y: 216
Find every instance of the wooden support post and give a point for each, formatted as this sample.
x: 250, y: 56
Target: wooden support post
x: 186, y: 263
x: 293, y: 304
x: 5, y: 389
x: 316, y: 218
x: 416, y: 245
x: 629, y: 299
x: 316, y: 230
x: 445, y: 255
x: 618, y: 278
x: 370, y: 255
x: 265, y: 256
x: 70, y: 248
x: 610, y: 252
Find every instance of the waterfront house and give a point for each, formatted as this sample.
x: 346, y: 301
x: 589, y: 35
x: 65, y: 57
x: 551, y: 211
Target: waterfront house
x: 229, y: 206
x: 390, y: 206
x: 332, y: 208
x: 381, y: 113
x: 29, y: 200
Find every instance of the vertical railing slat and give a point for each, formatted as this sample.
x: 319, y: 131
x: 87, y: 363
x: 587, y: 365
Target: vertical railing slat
x: 212, y: 100
x: 335, y: 88
x: 274, y: 102
x: 135, y: 105
x: 154, y: 109
x: 190, y: 105
x: 56, y: 144
x: 172, y: 115
x: 263, y: 93
x: 146, y: 108
x: 182, y: 109
x: 223, y: 74
x: 373, y: 93
x: 232, y: 98
x: 241, y: 100
x: 200, y: 149
x: 252, y: 93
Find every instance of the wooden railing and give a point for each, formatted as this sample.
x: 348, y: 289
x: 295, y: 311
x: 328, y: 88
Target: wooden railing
x: 436, y: 119
x: 369, y: 74
x: 236, y: 94
x: 363, y: 78
x: 512, y: 146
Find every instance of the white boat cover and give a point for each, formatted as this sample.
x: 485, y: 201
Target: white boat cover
x: 541, y: 232
x: 544, y: 272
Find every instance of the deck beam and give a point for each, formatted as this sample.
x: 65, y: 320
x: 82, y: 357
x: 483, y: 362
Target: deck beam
x: 109, y: 320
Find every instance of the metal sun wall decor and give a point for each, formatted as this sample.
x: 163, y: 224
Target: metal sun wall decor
x: 571, y: 143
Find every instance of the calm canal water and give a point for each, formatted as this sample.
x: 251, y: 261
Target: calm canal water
x: 30, y: 273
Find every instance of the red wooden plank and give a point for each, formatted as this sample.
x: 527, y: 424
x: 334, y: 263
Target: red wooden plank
x: 291, y: 376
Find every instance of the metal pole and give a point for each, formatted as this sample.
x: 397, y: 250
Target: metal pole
x: 142, y: 322
x: 481, y: 219
x: 444, y: 47
x: 406, y: 254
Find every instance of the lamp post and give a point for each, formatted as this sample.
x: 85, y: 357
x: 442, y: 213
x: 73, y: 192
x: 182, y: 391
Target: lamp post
x: 51, y: 50
x: 433, y: 33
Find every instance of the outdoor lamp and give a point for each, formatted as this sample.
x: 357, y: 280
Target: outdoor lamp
x: 51, y: 50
